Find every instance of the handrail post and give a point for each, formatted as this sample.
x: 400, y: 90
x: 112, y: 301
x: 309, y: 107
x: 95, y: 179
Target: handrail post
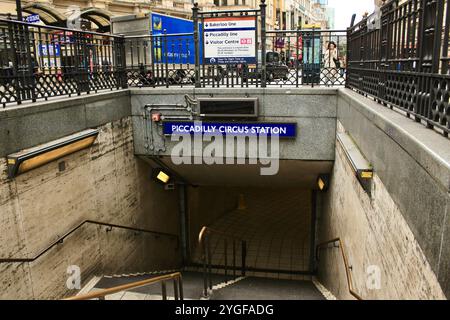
x: 163, y: 289
x: 226, y: 259
x: 244, y: 255
x: 262, y: 7
x: 234, y: 258
x: 208, y: 245
x: 175, y: 288
x: 195, y: 10
x: 166, y: 58
x: 180, y: 286
x: 313, y: 57
x: 205, y: 280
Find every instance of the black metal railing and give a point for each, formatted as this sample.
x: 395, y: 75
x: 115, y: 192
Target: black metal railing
x: 40, y: 62
x: 400, y: 57
x: 109, y: 227
x: 231, y: 247
x: 294, y: 58
x: 160, y: 60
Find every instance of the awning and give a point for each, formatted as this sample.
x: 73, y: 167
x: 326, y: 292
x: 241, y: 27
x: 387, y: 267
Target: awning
x: 50, y: 16
x: 99, y: 17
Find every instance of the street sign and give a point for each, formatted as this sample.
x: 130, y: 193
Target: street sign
x: 49, y: 50
x: 33, y: 18
x: 230, y: 40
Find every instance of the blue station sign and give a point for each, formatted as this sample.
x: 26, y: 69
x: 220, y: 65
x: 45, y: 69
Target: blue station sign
x: 282, y: 130
x: 33, y: 18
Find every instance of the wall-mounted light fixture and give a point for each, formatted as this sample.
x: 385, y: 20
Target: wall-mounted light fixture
x: 362, y: 168
x: 32, y: 158
x: 323, y: 181
x: 161, y: 176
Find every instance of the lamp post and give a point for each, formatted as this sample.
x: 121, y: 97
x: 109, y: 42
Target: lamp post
x: 19, y: 10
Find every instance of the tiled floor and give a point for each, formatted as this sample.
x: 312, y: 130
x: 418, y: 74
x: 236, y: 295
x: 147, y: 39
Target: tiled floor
x: 276, y: 226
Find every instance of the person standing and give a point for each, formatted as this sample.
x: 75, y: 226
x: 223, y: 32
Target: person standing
x: 330, y: 63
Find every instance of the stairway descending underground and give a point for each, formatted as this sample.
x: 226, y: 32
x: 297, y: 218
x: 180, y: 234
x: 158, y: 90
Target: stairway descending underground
x: 224, y: 287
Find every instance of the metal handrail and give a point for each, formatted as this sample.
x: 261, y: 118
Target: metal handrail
x: 101, y: 294
x: 348, y: 268
x: 206, y: 230
x: 203, y: 240
x: 61, y: 239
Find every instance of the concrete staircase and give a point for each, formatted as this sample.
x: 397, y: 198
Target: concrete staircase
x: 224, y: 288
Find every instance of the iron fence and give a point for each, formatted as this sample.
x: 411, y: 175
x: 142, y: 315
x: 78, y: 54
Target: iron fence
x: 294, y: 58
x: 400, y: 57
x: 40, y: 62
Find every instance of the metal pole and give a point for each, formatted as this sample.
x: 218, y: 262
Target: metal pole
x: 226, y: 259
x: 19, y: 10
x: 205, y: 272
x: 313, y: 56
x: 164, y: 291
x: 180, y: 287
x: 175, y: 289
x: 195, y: 10
x: 263, y: 43
x: 244, y: 255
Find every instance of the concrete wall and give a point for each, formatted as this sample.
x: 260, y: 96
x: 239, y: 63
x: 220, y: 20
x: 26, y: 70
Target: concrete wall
x: 313, y: 110
x: 374, y: 233
x: 404, y: 226
x: 105, y: 182
x: 32, y: 124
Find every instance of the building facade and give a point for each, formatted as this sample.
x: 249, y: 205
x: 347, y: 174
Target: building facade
x: 280, y: 14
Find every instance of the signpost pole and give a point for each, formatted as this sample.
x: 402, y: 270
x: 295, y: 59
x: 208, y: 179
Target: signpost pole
x: 19, y: 10
x: 195, y: 10
x: 263, y: 43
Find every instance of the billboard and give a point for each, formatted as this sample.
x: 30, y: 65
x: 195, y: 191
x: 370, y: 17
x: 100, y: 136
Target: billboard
x: 180, y: 49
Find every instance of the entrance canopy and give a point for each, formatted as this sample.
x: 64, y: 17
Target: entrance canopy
x: 100, y: 17
x: 50, y: 16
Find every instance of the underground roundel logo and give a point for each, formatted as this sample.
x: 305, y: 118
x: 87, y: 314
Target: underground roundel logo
x: 212, y: 60
x: 157, y: 23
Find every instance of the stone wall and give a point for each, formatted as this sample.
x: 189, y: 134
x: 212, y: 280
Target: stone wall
x: 374, y: 233
x: 106, y: 183
x: 413, y: 163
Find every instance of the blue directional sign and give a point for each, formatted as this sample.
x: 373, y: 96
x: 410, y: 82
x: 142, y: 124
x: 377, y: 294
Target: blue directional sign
x: 229, y: 40
x: 49, y: 50
x: 282, y: 130
x: 33, y: 18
